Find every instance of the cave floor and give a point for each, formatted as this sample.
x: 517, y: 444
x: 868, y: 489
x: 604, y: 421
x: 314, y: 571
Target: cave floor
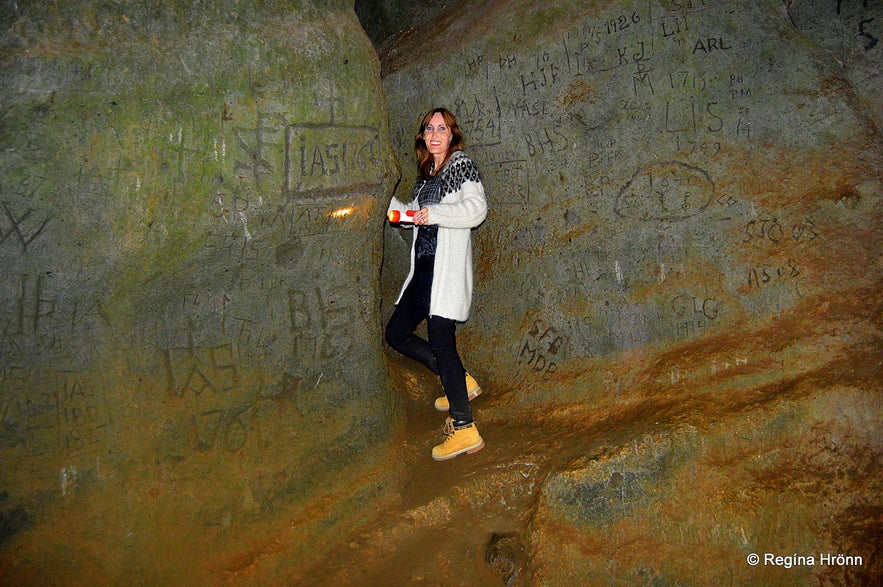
x: 634, y: 472
x: 457, y: 522
x: 777, y: 450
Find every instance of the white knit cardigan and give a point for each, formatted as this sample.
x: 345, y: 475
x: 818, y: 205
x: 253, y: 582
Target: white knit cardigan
x: 457, y: 214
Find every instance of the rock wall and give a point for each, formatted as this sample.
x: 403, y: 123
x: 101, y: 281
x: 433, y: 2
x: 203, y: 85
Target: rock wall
x: 192, y: 196
x: 678, y: 284
x: 658, y: 170
x: 677, y: 321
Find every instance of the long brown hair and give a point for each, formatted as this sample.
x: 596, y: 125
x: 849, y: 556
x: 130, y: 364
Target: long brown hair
x: 424, y: 157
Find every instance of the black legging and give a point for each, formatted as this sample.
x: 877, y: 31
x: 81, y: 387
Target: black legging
x: 439, y: 354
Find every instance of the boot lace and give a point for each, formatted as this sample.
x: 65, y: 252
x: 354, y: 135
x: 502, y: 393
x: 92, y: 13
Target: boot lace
x: 449, y: 428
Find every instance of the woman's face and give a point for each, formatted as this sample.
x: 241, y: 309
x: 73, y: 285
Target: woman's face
x: 437, y: 136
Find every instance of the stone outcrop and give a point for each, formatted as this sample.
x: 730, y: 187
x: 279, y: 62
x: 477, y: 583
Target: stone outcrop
x: 190, y: 236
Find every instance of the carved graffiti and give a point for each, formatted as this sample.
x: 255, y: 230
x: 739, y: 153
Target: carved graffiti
x: 665, y: 191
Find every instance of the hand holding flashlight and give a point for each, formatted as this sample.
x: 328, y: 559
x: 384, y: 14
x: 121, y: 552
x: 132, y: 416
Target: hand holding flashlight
x: 410, y: 216
x: 395, y: 216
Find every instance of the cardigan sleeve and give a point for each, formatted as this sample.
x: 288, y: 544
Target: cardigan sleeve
x: 466, y: 205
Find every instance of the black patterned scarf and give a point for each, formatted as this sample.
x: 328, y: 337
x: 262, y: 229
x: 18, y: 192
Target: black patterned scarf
x: 427, y: 192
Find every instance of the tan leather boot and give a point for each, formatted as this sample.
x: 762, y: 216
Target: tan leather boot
x: 472, y: 388
x: 459, y: 439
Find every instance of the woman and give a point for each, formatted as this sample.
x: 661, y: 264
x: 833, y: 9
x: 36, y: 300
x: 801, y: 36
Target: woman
x: 447, y: 203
